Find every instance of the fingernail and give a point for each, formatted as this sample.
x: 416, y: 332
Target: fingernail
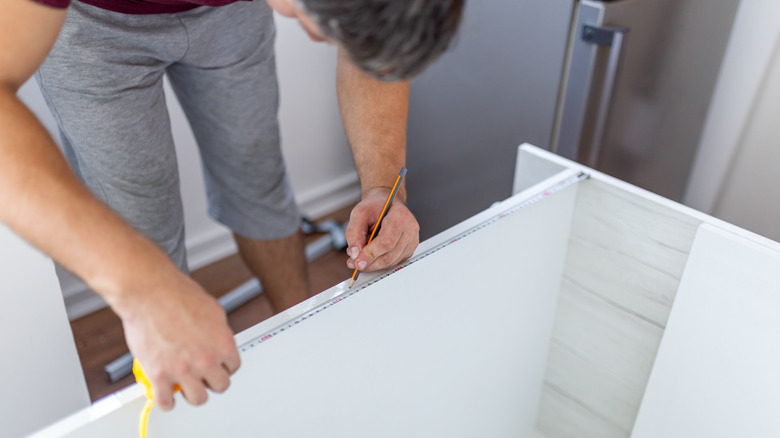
x: 350, y: 265
x: 353, y: 252
x: 362, y: 264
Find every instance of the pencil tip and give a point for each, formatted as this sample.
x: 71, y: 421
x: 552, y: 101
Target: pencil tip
x: 351, y: 282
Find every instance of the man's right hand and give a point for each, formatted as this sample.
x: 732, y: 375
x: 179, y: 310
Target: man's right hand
x: 181, y: 337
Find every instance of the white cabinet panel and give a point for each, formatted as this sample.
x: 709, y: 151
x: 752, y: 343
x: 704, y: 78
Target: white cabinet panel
x: 41, y: 373
x: 716, y: 373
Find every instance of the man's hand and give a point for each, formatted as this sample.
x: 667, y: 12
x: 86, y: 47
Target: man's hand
x: 181, y: 337
x: 396, y: 240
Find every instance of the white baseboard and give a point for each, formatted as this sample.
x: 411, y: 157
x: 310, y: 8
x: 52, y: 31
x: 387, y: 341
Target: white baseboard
x: 218, y: 243
x: 82, y: 302
x: 209, y: 247
x: 79, y: 300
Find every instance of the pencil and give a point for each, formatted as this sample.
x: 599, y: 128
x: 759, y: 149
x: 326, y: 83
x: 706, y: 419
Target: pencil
x: 389, y: 201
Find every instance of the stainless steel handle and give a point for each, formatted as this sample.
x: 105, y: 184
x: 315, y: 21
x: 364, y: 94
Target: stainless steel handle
x: 611, y: 37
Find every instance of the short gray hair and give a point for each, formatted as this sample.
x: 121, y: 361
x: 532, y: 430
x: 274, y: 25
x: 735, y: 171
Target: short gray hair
x: 389, y: 39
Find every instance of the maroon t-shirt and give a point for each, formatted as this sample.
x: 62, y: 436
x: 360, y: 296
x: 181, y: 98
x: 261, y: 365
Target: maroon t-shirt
x: 142, y: 6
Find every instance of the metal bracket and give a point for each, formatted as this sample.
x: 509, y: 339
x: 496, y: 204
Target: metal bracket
x: 602, y: 36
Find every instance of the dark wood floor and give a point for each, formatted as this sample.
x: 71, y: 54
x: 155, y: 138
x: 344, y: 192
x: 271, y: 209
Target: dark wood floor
x: 100, y: 339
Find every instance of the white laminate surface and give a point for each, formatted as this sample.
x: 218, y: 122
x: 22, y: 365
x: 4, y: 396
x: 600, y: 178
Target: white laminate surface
x: 41, y: 374
x: 716, y: 373
x: 453, y: 345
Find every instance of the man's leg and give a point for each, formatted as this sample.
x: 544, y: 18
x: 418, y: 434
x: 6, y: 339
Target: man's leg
x: 103, y: 84
x: 227, y: 87
x: 281, y: 266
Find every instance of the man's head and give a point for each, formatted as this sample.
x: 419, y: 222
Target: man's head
x: 389, y: 39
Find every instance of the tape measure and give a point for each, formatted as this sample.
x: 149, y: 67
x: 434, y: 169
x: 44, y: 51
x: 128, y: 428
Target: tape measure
x: 265, y: 337
x: 140, y: 377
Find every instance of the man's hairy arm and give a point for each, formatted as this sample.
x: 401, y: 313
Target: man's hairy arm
x: 171, y: 324
x: 374, y: 114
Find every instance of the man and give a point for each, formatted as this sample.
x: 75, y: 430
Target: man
x: 115, y: 219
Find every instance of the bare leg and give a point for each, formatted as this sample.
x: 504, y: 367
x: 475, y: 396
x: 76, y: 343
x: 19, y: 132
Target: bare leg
x: 281, y: 267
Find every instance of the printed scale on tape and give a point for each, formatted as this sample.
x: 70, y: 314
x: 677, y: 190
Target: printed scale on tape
x: 311, y: 313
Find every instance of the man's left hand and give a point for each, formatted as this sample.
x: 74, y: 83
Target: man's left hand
x: 396, y: 240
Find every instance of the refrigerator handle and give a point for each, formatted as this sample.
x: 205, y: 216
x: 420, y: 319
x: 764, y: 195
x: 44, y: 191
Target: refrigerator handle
x: 611, y: 37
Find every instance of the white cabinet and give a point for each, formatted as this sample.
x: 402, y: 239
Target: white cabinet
x: 41, y: 374
x: 541, y: 316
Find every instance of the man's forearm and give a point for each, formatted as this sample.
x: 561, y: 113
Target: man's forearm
x: 374, y: 114
x: 43, y: 201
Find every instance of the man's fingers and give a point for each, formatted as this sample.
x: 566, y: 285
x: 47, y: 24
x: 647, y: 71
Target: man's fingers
x: 216, y: 372
x: 227, y: 355
x: 405, y: 250
x: 382, y: 248
x: 389, y: 250
x: 218, y: 380
x: 194, y: 390
x: 386, y: 251
x: 409, y: 250
x: 395, y: 242
x: 163, y: 393
x: 232, y: 363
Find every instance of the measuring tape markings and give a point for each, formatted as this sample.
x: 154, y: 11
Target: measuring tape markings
x: 311, y: 313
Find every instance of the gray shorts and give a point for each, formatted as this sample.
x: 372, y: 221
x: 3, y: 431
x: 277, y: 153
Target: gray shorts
x: 103, y: 84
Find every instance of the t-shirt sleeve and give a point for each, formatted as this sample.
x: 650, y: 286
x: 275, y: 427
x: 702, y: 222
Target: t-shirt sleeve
x: 54, y: 3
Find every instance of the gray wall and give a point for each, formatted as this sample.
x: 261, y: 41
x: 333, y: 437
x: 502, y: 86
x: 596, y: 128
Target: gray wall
x: 495, y: 89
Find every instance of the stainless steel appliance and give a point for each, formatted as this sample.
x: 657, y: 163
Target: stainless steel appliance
x: 622, y: 86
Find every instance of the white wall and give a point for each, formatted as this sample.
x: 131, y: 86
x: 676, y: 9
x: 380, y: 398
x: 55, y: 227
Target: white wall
x: 315, y: 147
x: 750, y: 196
x: 735, y: 176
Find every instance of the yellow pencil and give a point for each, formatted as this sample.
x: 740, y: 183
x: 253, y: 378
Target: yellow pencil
x: 389, y: 201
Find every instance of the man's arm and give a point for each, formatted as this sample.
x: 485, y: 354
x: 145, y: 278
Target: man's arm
x: 176, y: 330
x: 374, y: 114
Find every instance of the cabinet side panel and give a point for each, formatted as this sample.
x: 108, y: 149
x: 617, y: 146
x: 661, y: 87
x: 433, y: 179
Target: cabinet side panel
x: 42, y: 376
x: 453, y: 345
x: 716, y: 371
